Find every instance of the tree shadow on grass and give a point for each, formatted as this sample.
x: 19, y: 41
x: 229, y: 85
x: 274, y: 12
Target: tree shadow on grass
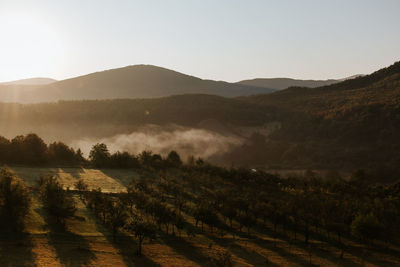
x: 365, y: 256
x: 326, y: 254
x: 72, y: 249
x: 75, y: 172
x: 296, y: 259
x: 16, y: 250
x: 251, y: 257
x: 321, y: 252
x: 350, y: 249
x: 123, y: 180
x: 297, y: 244
x: 126, y: 246
x: 185, y: 248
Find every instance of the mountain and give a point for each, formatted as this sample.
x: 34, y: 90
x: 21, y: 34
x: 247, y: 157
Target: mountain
x: 31, y: 81
x: 283, y: 83
x: 139, y: 81
x: 351, y: 77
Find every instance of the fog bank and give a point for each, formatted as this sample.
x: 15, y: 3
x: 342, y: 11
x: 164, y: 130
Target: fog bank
x: 186, y: 141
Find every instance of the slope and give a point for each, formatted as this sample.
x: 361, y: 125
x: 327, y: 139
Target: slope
x: 139, y: 81
x: 31, y: 81
x: 348, y: 124
x: 283, y: 83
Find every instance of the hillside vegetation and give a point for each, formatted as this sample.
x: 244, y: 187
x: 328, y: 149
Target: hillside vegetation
x: 353, y: 123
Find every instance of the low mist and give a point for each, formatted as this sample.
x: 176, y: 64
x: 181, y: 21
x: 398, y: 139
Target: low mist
x: 161, y: 140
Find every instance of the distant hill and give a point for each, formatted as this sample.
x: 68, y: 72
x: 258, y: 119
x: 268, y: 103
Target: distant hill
x: 283, y: 83
x: 351, y: 77
x: 31, y: 81
x: 139, y: 81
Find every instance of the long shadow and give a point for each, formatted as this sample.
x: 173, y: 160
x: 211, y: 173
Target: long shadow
x: 354, y: 250
x: 282, y: 252
x: 75, y: 172
x: 251, y: 257
x: 350, y: 249
x: 325, y: 254
x: 365, y: 256
x: 123, y: 180
x: 185, y: 248
x: 71, y: 249
x: 126, y: 247
x: 345, y: 261
x: 16, y: 250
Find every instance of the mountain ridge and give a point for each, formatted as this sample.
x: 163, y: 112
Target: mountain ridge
x: 36, y: 81
x: 136, y: 81
x: 283, y: 83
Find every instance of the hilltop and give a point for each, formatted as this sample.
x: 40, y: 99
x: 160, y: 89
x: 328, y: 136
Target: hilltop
x: 283, y: 83
x: 138, y: 81
x: 31, y: 81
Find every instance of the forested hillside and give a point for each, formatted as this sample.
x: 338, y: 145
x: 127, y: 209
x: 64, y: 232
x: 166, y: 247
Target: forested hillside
x: 353, y: 123
x: 348, y: 125
x: 96, y: 118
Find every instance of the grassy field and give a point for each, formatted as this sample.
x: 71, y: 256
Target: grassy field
x: 88, y: 243
x: 109, y: 180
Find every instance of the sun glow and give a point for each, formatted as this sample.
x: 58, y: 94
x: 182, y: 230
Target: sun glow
x: 29, y: 44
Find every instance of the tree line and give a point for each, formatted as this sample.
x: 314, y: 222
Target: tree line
x: 31, y: 150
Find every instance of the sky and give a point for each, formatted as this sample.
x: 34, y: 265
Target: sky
x: 227, y: 40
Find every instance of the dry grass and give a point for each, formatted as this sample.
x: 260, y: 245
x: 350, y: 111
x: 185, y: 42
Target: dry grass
x: 109, y: 180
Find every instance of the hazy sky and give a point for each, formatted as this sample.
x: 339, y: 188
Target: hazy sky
x: 216, y: 39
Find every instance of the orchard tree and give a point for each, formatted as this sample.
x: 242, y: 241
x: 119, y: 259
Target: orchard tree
x: 367, y: 227
x: 117, y: 217
x: 141, y: 230
x: 82, y: 187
